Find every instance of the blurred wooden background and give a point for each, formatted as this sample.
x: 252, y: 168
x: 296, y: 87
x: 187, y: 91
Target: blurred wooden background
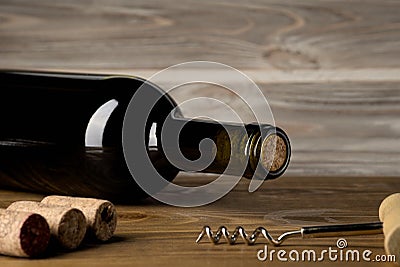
x: 329, y: 69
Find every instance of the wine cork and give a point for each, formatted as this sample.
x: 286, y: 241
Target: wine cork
x: 67, y: 225
x: 389, y: 214
x: 100, y: 214
x: 23, y: 234
x: 273, y: 154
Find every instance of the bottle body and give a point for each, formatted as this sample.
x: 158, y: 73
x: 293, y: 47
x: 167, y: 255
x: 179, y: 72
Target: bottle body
x: 62, y: 133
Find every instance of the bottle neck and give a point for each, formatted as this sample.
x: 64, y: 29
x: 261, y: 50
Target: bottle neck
x: 252, y: 150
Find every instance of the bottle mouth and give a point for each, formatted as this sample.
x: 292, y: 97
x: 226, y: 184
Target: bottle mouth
x: 274, y: 153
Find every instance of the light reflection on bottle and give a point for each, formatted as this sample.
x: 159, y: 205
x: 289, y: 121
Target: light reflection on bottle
x: 97, y: 124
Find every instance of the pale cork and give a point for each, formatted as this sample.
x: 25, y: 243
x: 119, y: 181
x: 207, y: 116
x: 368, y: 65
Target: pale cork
x: 100, y: 214
x: 67, y: 225
x: 389, y: 214
x: 23, y: 234
x: 274, y: 153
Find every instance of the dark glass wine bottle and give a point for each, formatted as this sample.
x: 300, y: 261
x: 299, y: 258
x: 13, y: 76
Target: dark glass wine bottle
x: 62, y: 133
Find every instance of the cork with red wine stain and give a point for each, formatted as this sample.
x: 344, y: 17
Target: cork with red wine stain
x: 23, y: 234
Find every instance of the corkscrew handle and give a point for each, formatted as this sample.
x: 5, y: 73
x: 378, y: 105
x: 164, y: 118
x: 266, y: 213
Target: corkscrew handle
x: 342, y: 230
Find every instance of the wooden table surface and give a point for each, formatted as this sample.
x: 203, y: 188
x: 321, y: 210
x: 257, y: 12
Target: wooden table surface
x: 329, y: 69
x: 154, y: 234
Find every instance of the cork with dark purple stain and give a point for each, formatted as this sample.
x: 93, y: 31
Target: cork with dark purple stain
x: 23, y: 234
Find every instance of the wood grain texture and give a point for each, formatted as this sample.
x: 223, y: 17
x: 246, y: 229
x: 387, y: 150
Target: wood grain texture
x: 154, y: 234
x: 156, y: 34
x: 329, y: 70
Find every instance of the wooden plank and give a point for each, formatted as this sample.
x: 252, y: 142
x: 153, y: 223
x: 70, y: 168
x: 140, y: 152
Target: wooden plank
x: 154, y: 234
x: 282, y: 35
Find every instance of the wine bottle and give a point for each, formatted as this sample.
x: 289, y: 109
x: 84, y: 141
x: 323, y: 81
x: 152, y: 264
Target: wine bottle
x: 62, y: 133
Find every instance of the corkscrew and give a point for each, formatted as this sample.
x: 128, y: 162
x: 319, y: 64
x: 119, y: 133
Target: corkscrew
x: 304, y: 232
x: 389, y: 225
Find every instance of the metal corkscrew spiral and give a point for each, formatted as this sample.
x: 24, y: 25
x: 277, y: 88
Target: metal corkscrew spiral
x: 240, y: 232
